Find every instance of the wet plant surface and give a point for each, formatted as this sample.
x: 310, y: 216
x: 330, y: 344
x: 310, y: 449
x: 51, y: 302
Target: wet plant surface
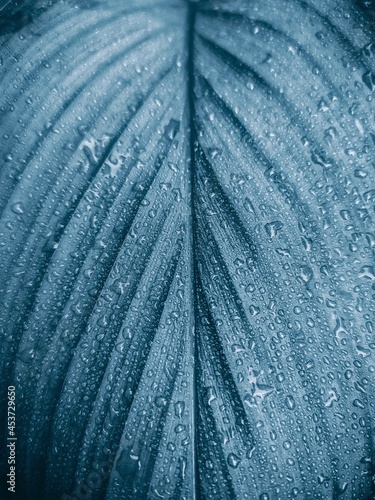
x: 186, y: 247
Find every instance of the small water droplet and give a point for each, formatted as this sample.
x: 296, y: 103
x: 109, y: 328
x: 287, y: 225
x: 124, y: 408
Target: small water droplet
x: 290, y: 403
x: 18, y: 208
x: 233, y: 460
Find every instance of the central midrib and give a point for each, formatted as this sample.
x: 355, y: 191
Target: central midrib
x: 192, y: 10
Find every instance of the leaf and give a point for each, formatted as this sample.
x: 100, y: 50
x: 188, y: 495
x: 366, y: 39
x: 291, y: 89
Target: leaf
x: 187, y: 232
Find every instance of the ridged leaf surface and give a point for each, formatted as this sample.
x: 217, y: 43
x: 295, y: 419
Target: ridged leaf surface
x: 186, y: 255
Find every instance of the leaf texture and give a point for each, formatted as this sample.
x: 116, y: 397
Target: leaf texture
x: 187, y: 236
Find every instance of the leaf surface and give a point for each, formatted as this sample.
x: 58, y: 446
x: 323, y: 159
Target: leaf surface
x: 187, y: 199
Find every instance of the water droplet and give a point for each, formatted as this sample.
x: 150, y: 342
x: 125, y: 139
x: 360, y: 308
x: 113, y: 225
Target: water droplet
x: 254, y: 310
x: 368, y: 79
x: 171, y: 130
x: 290, y: 403
x: 233, y: 460
x: 18, y: 208
x: 272, y: 228
x: 179, y: 408
x: 358, y: 404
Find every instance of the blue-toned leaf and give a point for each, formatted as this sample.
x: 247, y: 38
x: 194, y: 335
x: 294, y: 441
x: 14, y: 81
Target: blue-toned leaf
x: 187, y: 236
